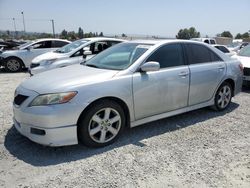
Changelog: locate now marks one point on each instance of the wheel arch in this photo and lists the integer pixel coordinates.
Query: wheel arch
(9, 57)
(115, 99)
(232, 83)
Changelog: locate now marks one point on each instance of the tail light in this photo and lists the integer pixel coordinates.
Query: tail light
(241, 67)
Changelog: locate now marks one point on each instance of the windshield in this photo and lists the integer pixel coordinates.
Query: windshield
(69, 47)
(245, 51)
(119, 57)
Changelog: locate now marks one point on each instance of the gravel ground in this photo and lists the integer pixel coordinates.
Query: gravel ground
(202, 148)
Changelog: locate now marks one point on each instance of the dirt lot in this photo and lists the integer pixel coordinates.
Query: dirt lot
(202, 148)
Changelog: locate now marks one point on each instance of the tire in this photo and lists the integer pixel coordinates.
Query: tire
(102, 124)
(13, 64)
(223, 97)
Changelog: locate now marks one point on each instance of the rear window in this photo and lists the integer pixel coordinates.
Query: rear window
(58, 44)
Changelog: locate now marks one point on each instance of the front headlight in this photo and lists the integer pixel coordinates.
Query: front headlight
(54, 98)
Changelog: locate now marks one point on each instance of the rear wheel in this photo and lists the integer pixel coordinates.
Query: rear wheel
(102, 124)
(13, 64)
(223, 97)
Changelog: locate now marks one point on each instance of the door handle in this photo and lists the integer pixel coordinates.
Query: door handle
(183, 74)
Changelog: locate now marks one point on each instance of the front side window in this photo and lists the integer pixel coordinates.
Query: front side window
(200, 54)
(212, 42)
(119, 57)
(58, 44)
(170, 55)
(43, 44)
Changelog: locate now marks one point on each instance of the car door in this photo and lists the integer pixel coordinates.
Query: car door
(164, 90)
(37, 49)
(206, 72)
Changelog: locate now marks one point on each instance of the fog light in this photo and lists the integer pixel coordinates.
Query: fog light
(37, 131)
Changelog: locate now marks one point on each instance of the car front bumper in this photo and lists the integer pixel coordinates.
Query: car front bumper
(53, 125)
(59, 136)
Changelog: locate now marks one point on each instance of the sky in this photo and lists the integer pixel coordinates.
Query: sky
(142, 17)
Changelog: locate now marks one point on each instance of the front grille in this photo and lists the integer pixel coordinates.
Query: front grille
(19, 99)
(33, 65)
(246, 71)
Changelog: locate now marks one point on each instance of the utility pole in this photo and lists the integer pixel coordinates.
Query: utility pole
(23, 22)
(14, 26)
(53, 27)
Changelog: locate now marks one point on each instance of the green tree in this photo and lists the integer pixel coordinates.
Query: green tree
(64, 34)
(72, 35)
(188, 33)
(226, 34)
(101, 34)
(80, 33)
(245, 35)
(124, 35)
(238, 36)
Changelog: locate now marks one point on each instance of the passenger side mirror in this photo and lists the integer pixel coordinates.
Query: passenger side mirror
(150, 66)
(85, 53)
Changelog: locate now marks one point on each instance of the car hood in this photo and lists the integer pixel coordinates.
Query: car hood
(66, 78)
(244, 60)
(48, 56)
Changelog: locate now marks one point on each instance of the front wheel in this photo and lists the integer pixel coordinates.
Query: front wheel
(223, 97)
(13, 64)
(102, 124)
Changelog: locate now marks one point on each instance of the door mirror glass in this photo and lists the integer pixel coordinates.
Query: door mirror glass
(88, 52)
(150, 66)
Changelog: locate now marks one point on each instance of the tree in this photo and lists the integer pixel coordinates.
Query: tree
(64, 34)
(226, 34)
(245, 35)
(238, 36)
(72, 35)
(124, 35)
(101, 34)
(80, 33)
(188, 33)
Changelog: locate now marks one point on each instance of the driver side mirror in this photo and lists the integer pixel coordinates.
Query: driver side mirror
(29, 48)
(150, 66)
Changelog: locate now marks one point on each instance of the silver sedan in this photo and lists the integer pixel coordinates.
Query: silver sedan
(125, 86)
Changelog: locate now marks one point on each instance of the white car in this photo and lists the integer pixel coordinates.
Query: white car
(15, 60)
(74, 53)
(244, 57)
(205, 40)
(224, 49)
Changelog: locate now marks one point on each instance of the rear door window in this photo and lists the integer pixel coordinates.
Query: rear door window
(200, 54)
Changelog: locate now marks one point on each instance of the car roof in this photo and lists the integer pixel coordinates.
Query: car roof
(102, 38)
(45, 39)
(165, 41)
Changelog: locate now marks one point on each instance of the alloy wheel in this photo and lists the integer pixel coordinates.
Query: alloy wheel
(224, 96)
(13, 65)
(104, 125)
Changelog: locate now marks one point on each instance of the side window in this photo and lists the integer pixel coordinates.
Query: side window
(212, 42)
(222, 48)
(168, 56)
(78, 53)
(200, 54)
(58, 44)
(40, 45)
(206, 41)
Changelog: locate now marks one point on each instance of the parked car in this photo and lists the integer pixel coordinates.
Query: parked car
(236, 47)
(15, 60)
(9, 44)
(244, 57)
(224, 49)
(73, 53)
(205, 40)
(129, 84)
